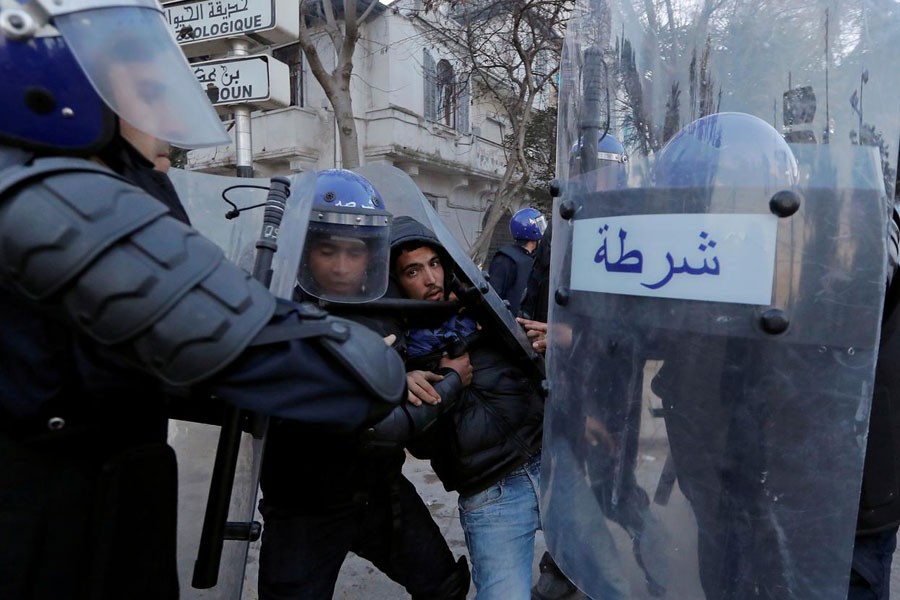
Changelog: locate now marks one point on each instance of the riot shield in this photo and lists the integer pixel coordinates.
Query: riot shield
(229, 211)
(715, 311)
(404, 198)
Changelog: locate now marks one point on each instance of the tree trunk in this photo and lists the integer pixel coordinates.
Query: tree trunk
(346, 124)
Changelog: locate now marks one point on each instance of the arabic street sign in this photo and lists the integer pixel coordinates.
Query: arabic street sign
(259, 80)
(202, 27)
(713, 257)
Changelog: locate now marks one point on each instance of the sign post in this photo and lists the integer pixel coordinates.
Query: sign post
(243, 140)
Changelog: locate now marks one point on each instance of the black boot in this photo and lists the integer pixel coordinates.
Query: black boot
(454, 587)
(552, 584)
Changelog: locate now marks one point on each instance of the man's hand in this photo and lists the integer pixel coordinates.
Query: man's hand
(461, 365)
(419, 387)
(536, 332)
(596, 434)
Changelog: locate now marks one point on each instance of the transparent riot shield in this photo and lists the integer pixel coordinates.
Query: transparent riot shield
(716, 297)
(406, 199)
(230, 211)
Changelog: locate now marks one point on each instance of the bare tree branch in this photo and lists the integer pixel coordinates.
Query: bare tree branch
(343, 35)
(511, 48)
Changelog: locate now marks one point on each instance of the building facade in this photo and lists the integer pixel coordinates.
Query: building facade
(413, 111)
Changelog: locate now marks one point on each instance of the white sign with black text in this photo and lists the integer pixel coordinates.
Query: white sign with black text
(258, 80)
(203, 27)
(714, 257)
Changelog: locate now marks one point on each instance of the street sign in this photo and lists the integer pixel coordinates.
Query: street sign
(203, 27)
(258, 80)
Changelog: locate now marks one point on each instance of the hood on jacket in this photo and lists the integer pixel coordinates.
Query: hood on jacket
(406, 230)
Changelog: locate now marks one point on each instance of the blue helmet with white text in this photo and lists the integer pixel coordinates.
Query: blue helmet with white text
(69, 68)
(347, 246)
(527, 224)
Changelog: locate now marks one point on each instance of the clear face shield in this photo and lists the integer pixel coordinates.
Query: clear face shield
(139, 71)
(346, 257)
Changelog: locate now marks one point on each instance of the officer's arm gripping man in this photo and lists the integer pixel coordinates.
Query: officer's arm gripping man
(102, 254)
(407, 421)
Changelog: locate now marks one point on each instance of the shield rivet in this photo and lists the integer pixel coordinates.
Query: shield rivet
(56, 423)
(556, 188)
(774, 321)
(567, 209)
(784, 203)
(562, 296)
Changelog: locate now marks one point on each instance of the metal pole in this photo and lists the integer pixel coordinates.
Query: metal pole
(243, 140)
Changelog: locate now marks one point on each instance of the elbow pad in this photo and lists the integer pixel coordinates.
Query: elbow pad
(361, 352)
(80, 240)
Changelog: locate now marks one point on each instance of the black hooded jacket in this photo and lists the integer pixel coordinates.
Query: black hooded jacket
(496, 424)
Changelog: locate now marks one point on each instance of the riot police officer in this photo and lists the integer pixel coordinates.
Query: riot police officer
(746, 266)
(512, 263)
(718, 459)
(323, 494)
(104, 298)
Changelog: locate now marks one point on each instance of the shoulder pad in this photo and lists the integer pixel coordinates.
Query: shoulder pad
(78, 238)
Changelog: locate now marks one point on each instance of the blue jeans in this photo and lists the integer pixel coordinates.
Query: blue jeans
(870, 577)
(499, 524)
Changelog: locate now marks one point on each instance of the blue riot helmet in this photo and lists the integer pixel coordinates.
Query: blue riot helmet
(611, 168)
(610, 149)
(69, 67)
(347, 249)
(727, 150)
(527, 224)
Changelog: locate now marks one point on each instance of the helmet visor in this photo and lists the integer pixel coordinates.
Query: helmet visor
(346, 263)
(136, 67)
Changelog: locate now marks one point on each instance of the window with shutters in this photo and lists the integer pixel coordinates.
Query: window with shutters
(447, 96)
(430, 76)
(462, 106)
(446, 108)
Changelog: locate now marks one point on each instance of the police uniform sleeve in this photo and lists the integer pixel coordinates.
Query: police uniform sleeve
(502, 274)
(105, 256)
(407, 421)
